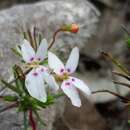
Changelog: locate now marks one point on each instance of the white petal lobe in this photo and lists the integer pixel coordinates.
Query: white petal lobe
(27, 51)
(72, 93)
(55, 63)
(50, 80)
(35, 85)
(81, 86)
(42, 50)
(73, 60)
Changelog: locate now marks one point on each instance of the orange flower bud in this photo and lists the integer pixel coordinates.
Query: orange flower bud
(71, 28)
(74, 28)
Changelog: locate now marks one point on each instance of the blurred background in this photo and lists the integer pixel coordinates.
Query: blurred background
(100, 24)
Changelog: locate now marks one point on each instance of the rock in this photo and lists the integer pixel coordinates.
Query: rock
(9, 3)
(108, 3)
(48, 16)
(96, 70)
(37, 14)
(84, 118)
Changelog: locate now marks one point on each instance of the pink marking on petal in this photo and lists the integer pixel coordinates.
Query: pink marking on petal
(39, 59)
(35, 74)
(42, 69)
(32, 58)
(67, 83)
(73, 79)
(68, 70)
(62, 70)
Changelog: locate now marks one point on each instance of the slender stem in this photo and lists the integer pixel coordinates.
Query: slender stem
(122, 75)
(9, 107)
(121, 83)
(125, 29)
(25, 121)
(31, 39)
(39, 118)
(54, 38)
(125, 100)
(116, 62)
(34, 36)
(32, 121)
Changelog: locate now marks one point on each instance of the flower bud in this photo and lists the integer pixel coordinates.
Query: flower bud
(71, 28)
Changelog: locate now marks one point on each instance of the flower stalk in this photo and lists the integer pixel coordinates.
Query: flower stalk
(123, 99)
(73, 28)
(114, 61)
(32, 120)
(25, 120)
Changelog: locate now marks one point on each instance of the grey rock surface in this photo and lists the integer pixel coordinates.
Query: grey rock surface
(48, 16)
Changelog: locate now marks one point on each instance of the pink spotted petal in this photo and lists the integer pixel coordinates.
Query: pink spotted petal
(71, 92)
(42, 50)
(80, 85)
(35, 85)
(55, 63)
(27, 51)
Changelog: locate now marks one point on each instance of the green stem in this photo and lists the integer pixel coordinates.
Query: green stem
(116, 62)
(25, 121)
(39, 118)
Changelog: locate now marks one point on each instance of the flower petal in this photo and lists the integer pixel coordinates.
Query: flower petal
(55, 63)
(42, 50)
(27, 51)
(35, 85)
(73, 60)
(81, 85)
(71, 92)
(50, 80)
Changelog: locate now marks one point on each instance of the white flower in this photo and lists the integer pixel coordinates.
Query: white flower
(34, 81)
(69, 84)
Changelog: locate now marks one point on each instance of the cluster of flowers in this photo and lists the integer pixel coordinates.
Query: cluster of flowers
(55, 73)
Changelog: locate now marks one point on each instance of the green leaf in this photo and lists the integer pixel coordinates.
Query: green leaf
(39, 118)
(10, 98)
(116, 62)
(16, 52)
(50, 100)
(58, 95)
(128, 42)
(44, 62)
(39, 38)
(8, 85)
(25, 120)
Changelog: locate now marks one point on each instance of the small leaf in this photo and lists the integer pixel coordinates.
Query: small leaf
(128, 42)
(58, 95)
(39, 118)
(44, 62)
(115, 62)
(16, 52)
(10, 98)
(8, 85)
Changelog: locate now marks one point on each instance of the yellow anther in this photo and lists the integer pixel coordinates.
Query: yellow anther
(34, 64)
(65, 76)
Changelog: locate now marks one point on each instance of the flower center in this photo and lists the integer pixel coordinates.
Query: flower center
(62, 77)
(33, 64)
